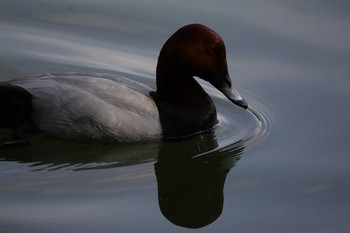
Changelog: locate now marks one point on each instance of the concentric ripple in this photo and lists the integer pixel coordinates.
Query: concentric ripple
(237, 128)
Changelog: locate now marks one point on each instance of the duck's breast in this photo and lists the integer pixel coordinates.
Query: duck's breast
(97, 106)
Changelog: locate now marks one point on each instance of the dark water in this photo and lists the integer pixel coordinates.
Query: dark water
(287, 172)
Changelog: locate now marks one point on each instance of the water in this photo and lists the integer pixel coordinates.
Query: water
(287, 172)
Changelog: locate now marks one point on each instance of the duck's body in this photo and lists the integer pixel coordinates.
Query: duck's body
(108, 107)
(96, 106)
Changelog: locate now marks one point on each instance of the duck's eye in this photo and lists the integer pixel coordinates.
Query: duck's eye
(212, 49)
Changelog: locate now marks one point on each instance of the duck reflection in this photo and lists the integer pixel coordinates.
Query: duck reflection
(190, 189)
(190, 173)
(51, 154)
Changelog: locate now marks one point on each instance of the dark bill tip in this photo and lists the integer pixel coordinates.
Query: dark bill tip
(223, 84)
(242, 103)
(233, 96)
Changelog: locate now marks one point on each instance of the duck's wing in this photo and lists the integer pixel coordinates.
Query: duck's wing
(77, 105)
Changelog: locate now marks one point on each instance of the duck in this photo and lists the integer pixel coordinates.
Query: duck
(114, 108)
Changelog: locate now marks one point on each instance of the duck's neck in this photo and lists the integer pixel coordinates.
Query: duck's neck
(176, 85)
(184, 107)
(181, 90)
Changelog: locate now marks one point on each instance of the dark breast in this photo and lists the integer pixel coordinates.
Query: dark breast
(15, 108)
(181, 121)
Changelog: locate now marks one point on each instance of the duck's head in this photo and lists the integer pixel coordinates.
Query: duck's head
(196, 50)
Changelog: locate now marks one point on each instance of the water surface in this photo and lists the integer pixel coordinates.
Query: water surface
(286, 172)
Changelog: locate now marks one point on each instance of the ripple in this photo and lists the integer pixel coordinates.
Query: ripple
(250, 127)
(237, 128)
(260, 134)
(263, 112)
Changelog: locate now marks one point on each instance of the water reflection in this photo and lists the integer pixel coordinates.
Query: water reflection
(190, 173)
(190, 187)
(51, 154)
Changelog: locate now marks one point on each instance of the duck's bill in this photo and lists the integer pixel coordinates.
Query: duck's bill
(234, 96)
(223, 84)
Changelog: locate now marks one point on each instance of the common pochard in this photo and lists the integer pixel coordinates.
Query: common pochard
(110, 107)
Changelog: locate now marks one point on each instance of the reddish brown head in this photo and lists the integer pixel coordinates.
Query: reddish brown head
(195, 50)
